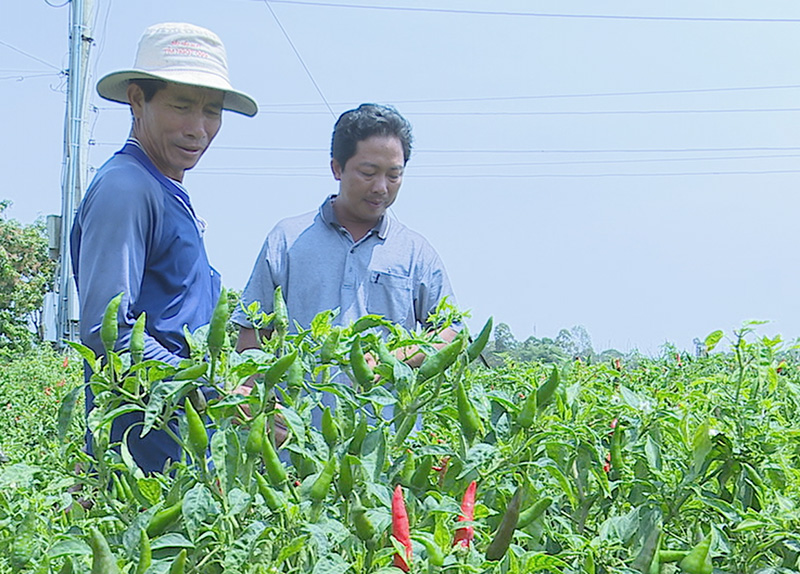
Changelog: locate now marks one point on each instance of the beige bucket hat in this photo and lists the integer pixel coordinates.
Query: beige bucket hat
(181, 53)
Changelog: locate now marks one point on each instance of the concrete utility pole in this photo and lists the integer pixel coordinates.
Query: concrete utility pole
(75, 173)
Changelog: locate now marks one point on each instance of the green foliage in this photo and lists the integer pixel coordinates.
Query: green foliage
(627, 464)
(26, 273)
(34, 388)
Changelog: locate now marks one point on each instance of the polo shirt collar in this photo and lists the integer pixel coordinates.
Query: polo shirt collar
(329, 217)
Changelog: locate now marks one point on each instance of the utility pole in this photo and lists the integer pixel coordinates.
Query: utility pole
(75, 173)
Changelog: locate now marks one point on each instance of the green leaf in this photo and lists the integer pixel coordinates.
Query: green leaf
(66, 410)
(331, 564)
(150, 488)
(538, 562)
(226, 454)
(242, 548)
(70, 546)
(198, 506)
(712, 340)
(160, 392)
(295, 546)
(171, 540)
(701, 446)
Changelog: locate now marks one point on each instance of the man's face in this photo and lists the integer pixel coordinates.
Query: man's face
(369, 181)
(177, 125)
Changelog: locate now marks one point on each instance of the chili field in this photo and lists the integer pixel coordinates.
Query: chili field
(640, 464)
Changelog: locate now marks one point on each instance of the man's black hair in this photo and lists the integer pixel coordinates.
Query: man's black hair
(149, 86)
(364, 122)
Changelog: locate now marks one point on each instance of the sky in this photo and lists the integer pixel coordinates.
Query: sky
(630, 167)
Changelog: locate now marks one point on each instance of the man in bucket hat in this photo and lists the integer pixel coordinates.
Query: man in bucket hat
(136, 231)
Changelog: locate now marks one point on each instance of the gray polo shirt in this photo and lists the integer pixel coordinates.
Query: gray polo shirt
(392, 271)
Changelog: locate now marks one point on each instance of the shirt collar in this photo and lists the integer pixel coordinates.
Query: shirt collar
(329, 217)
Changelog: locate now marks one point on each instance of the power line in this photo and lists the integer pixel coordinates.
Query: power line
(523, 176)
(31, 56)
(541, 14)
(418, 166)
(299, 57)
(512, 151)
(21, 77)
(568, 96)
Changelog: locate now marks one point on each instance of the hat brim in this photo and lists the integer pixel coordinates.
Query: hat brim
(114, 87)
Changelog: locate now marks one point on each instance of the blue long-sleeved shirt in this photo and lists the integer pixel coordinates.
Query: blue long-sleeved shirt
(135, 232)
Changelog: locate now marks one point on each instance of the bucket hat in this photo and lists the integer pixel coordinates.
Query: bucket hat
(181, 53)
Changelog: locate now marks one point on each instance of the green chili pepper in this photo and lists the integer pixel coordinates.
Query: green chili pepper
(527, 412)
(255, 438)
(330, 430)
(178, 565)
(505, 532)
(322, 484)
(271, 497)
(384, 354)
(191, 373)
(145, 553)
(365, 530)
(358, 436)
(467, 415)
(698, 560)
(406, 425)
(281, 318)
(407, 470)
(345, 479)
(544, 394)
(137, 339)
(361, 370)
(435, 553)
(665, 556)
(216, 329)
(475, 348)
(276, 370)
(109, 328)
(327, 352)
(198, 436)
(294, 377)
(443, 359)
(162, 519)
(24, 544)
(275, 470)
(534, 511)
(617, 463)
(103, 561)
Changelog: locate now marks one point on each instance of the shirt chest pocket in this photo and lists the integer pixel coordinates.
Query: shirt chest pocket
(391, 296)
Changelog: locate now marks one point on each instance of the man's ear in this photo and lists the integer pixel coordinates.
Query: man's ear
(336, 169)
(135, 98)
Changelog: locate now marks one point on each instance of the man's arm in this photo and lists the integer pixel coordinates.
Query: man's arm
(109, 247)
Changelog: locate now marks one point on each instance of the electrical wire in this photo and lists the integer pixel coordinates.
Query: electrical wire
(299, 57)
(31, 56)
(541, 14)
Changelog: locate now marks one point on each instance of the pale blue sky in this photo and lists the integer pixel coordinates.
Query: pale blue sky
(653, 200)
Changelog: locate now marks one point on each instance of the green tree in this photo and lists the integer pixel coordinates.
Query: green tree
(26, 273)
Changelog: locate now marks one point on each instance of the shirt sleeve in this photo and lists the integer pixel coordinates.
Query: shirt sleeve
(117, 222)
(432, 287)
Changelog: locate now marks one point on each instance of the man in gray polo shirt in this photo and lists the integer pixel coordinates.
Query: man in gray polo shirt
(350, 255)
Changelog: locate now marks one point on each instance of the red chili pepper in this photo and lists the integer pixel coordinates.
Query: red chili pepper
(466, 534)
(400, 529)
